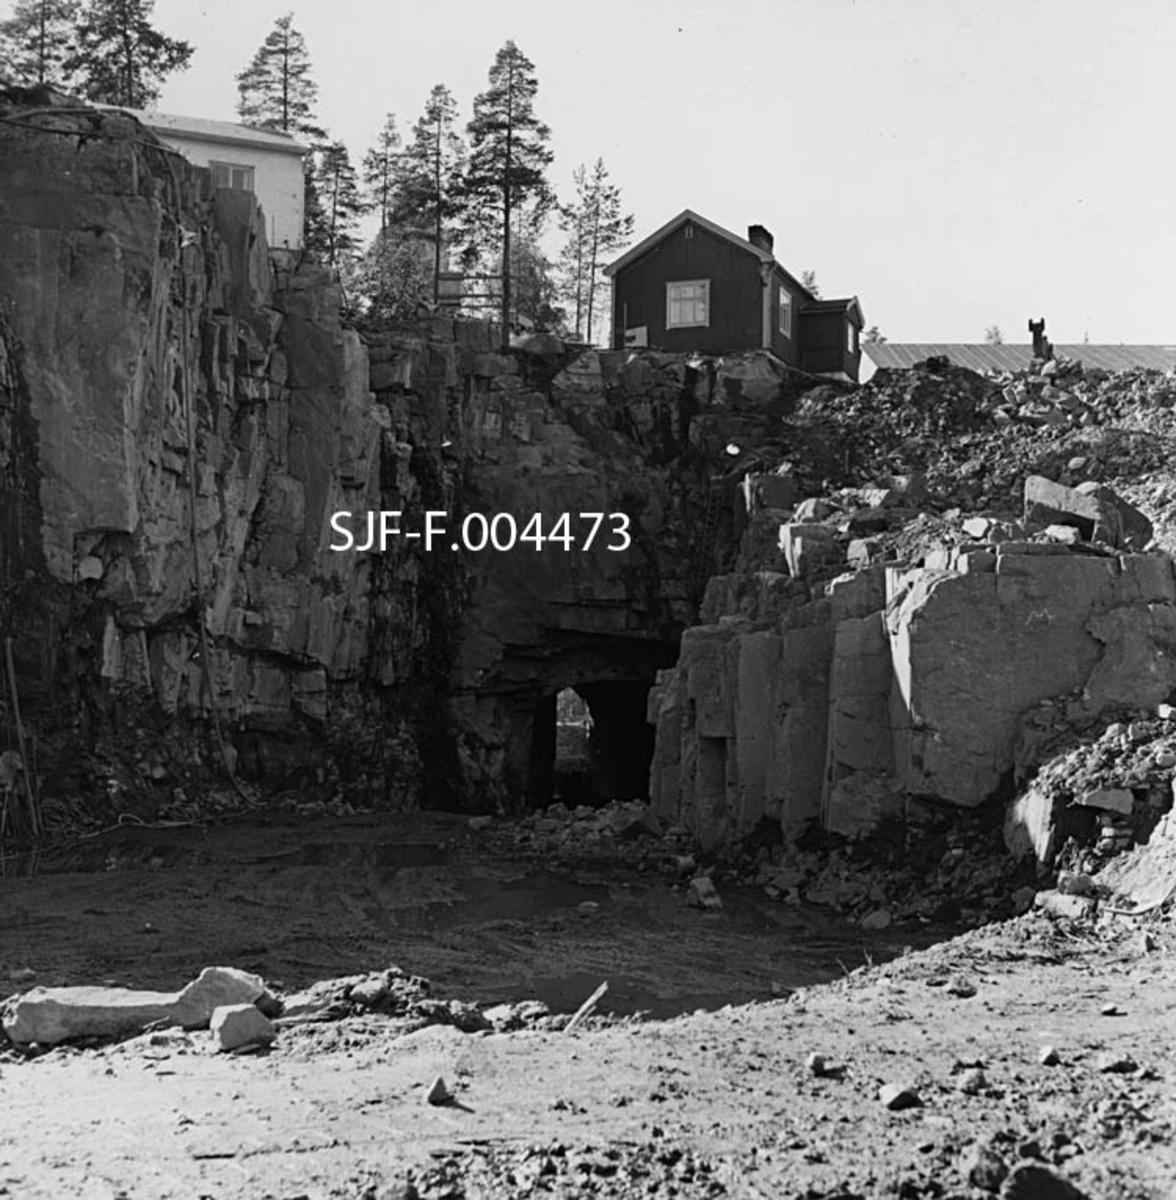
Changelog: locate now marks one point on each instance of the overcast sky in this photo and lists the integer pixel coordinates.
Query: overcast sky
(953, 164)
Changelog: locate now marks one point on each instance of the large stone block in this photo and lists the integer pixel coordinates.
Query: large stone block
(1094, 509)
(52, 1015)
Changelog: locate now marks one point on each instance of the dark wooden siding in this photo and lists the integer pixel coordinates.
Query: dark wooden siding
(736, 294)
(826, 347)
(786, 348)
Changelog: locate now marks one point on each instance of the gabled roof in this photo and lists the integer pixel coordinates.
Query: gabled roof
(985, 357)
(227, 132)
(686, 215)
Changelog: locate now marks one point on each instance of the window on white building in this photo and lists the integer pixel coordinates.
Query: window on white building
(687, 303)
(785, 311)
(237, 176)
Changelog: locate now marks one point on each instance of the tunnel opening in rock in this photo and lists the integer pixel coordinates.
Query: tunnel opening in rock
(593, 743)
(572, 778)
(577, 731)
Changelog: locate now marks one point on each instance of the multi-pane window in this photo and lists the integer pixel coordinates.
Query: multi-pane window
(785, 311)
(238, 176)
(687, 303)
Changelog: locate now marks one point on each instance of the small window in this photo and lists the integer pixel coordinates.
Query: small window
(687, 303)
(851, 338)
(238, 176)
(785, 311)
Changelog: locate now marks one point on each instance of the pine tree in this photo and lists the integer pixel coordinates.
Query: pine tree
(874, 336)
(993, 336)
(120, 57)
(507, 161)
(608, 229)
(573, 220)
(430, 179)
(596, 227)
(276, 89)
(382, 170)
(39, 38)
(337, 191)
(808, 280)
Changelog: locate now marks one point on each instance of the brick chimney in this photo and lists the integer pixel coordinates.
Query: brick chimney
(758, 236)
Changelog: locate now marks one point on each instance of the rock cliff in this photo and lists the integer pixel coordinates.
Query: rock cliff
(183, 415)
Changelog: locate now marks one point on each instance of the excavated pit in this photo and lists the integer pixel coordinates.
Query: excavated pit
(481, 916)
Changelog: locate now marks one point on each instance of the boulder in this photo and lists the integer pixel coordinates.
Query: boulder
(1095, 510)
(235, 1026)
(52, 1015)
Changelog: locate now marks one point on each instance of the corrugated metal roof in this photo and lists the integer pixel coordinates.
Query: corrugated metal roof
(983, 357)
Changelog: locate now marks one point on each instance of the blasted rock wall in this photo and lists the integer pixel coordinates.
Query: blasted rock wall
(180, 417)
(179, 423)
(899, 683)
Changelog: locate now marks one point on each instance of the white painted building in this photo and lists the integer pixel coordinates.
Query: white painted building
(262, 161)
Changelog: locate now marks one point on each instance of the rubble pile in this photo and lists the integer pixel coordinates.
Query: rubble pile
(947, 558)
(1095, 792)
(975, 438)
(894, 424)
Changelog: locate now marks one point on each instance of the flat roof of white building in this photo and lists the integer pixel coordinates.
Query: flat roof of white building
(229, 132)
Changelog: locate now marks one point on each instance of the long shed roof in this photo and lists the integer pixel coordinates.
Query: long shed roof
(1009, 357)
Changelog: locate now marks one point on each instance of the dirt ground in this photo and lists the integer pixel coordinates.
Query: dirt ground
(712, 1095)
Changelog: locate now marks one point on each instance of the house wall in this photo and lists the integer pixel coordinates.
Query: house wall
(277, 180)
(825, 347)
(786, 348)
(736, 294)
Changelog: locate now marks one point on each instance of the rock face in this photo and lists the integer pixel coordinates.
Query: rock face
(900, 683)
(182, 417)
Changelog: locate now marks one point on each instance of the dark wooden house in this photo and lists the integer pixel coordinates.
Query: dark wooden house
(695, 286)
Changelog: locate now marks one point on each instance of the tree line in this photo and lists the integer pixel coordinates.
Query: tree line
(474, 198)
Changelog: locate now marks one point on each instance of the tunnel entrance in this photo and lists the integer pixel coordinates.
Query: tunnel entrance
(592, 744)
(572, 715)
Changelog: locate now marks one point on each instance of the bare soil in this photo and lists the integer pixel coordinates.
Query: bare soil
(716, 1098)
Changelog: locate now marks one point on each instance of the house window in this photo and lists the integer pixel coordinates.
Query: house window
(238, 176)
(687, 303)
(851, 339)
(785, 312)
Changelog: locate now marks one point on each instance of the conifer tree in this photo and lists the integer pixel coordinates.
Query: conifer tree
(430, 177)
(39, 38)
(508, 158)
(341, 204)
(573, 220)
(382, 170)
(596, 228)
(119, 56)
(276, 88)
(276, 91)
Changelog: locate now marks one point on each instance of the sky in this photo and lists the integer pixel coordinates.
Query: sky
(955, 165)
